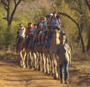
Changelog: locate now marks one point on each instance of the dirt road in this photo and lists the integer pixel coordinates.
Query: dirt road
(12, 75)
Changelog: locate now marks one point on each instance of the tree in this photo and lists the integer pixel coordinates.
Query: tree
(7, 7)
(88, 3)
(88, 43)
(77, 6)
(10, 7)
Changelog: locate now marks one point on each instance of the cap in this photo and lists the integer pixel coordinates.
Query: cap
(20, 24)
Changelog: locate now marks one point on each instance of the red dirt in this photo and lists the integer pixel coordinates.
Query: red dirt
(12, 75)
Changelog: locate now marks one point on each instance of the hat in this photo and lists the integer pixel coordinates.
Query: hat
(20, 24)
(51, 14)
(29, 23)
(48, 16)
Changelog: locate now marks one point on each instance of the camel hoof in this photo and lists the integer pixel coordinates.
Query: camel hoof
(54, 76)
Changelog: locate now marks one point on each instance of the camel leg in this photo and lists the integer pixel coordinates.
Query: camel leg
(51, 65)
(55, 69)
(48, 65)
(28, 60)
(24, 64)
(21, 60)
(44, 62)
(31, 60)
(56, 74)
(41, 61)
(38, 61)
(23, 57)
(35, 58)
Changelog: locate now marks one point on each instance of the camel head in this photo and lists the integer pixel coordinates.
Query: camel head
(56, 36)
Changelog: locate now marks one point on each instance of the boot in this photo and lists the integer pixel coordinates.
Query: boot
(66, 81)
(62, 81)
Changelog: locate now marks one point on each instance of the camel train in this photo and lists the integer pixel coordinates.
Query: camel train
(41, 57)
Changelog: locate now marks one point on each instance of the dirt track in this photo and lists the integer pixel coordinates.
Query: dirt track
(12, 75)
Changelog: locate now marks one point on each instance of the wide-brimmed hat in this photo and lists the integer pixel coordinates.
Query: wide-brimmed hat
(51, 14)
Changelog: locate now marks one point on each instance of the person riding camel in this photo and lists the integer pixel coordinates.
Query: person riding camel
(40, 31)
(45, 29)
(20, 34)
(21, 31)
(30, 34)
(50, 30)
(55, 21)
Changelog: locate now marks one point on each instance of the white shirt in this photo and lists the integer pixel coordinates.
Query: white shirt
(22, 31)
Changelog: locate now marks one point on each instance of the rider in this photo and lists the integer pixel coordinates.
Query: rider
(40, 30)
(30, 34)
(20, 34)
(55, 21)
(21, 31)
(49, 31)
(45, 28)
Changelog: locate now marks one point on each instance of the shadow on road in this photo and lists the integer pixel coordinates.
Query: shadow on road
(10, 58)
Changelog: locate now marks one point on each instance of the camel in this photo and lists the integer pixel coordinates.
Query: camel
(45, 60)
(21, 50)
(45, 55)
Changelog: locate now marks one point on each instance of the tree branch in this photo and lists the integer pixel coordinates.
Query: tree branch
(18, 2)
(13, 12)
(14, 2)
(4, 3)
(69, 18)
(88, 4)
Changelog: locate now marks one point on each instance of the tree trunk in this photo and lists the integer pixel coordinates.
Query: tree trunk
(88, 43)
(88, 4)
(81, 38)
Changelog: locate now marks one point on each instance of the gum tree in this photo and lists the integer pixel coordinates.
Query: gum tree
(10, 6)
(79, 7)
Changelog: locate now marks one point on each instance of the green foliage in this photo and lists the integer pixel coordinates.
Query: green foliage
(32, 10)
(78, 10)
(8, 38)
